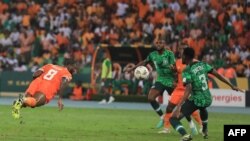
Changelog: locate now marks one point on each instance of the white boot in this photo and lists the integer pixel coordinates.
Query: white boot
(103, 101)
(164, 131)
(111, 99)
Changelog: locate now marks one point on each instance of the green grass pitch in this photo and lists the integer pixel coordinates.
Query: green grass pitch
(80, 124)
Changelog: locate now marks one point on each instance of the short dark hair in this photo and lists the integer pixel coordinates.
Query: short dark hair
(189, 52)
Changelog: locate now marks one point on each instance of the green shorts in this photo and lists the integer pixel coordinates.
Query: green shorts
(160, 87)
(189, 107)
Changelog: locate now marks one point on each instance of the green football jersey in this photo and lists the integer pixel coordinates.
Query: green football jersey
(106, 65)
(197, 75)
(162, 64)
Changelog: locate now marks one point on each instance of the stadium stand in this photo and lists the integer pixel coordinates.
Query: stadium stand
(35, 32)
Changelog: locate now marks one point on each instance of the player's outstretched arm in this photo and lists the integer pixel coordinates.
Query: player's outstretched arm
(223, 79)
(142, 63)
(64, 84)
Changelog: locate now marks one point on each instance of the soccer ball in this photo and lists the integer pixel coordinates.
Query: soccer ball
(141, 72)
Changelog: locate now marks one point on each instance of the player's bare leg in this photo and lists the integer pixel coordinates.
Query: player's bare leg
(37, 100)
(153, 93)
(167, 116)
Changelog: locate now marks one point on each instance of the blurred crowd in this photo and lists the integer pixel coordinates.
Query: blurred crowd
(36, 32)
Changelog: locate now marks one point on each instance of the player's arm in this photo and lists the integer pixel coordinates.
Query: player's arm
(63, 85)
(41, 70)
(223, 79)
(37, 73)
(172, 61)
(174, 69)
(142, 63)
(129, 65)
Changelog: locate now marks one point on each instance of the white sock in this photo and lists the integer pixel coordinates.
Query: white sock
(191, 124)
(162, 117)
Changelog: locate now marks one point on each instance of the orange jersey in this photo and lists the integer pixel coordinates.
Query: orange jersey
(178, 92)
(180, 67)
(49, 81)
(53, 74)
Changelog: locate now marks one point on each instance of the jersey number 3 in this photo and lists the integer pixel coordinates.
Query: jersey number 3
(50, 74)
(203, 81)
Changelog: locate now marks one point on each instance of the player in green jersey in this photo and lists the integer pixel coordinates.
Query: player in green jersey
(163, 61)
(106, 76)
(197, 94)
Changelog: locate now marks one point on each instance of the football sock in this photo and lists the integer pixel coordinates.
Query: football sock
(191, 124)
(204, 126)
(204, 118)
(196, 116)
(177, 126)
(30, 101)
(156, 107)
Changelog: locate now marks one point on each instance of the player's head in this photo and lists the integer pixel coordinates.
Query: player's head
(188, 55)
(159, 43)
(70, 65)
